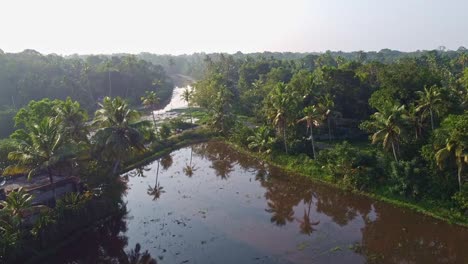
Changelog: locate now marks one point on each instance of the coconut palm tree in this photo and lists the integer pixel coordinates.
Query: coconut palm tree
(314, 116)
(388, 129)
(280, 101)
(429, 102)
(42, 149)
(15, 202)
(186, 96)
(457, 151)
(150, 100)
(72, 119)
(326, 102)
(118, 133)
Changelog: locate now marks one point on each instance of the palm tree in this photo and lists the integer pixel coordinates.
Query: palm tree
(280, 100)
(314, 116)
(462, 60)
(42, 149)
(150, 100)
(109, 68)
(72, 119)
(414, 119)
(186, 96)
(117, 134)
(457, 151)
(430, 102)
(326, 102)
(388, 129)
(16, 202)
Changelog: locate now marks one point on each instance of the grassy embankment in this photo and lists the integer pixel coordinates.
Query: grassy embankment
(307, 167)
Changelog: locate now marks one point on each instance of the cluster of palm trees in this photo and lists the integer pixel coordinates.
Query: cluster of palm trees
(281, 111)
(65, 138)
(390, 128)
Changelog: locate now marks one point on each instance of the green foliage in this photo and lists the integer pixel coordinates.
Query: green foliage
(43, 148)
(165, 131)
(408, 178)
(29, 75)
(351, 166)
(240, 134)
(118, 133)
(6, 146)
(179, 124)
(71, 202)
(461, 198)
(262, 140)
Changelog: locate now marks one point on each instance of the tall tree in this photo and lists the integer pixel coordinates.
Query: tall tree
(187, 96)
(313, 117)
(118, 133)
(429, 102)
(456, 130)
(150, 101)
(387, 129)
(42, 149)
(279, 103)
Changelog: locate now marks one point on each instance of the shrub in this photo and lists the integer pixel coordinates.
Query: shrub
(407, 177)
(240, 134)
(353, 167)
(164, 131)
(461, 198)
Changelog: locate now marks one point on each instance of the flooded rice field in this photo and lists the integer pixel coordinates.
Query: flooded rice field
(210, 204)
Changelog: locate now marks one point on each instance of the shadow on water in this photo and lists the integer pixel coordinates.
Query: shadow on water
(235, 209)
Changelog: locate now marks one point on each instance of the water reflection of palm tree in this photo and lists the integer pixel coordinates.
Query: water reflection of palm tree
(306, 225)
(280, 213)
(222, 168)
(139, 172)
(137, 257)
(166, 161)
(189, 169)
(157, 190)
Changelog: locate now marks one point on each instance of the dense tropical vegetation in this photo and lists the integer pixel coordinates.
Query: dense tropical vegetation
(387, 123)
(411, 108)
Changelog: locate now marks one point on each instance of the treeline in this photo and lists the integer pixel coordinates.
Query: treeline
(195, 65)
(29, 75)
(413, 110)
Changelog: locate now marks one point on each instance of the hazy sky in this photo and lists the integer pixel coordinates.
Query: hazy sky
(187, 26)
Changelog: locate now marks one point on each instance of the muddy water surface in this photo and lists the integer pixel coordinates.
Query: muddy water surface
(214, 205)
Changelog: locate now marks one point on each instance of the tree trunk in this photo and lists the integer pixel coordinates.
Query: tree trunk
(154, 118)
(51, 179)
(284, 138)
(191, 117)
(116, 166)
(394, 152)
(329, 129)
(110, 84)
(312, 140)
(459, 173)
(432, 119)
(157, 175)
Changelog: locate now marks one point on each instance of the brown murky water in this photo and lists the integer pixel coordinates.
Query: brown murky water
(214, 205)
